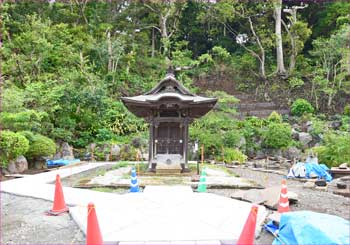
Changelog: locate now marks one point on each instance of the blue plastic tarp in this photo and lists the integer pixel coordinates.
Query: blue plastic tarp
(60, 162)
(307, 170)
(306, 227)
(320, 170)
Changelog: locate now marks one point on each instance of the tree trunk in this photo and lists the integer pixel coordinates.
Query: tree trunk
(293, 55)
(279, 46)
(153, 42)
(262, 65)
(164, 33)
(110, 52)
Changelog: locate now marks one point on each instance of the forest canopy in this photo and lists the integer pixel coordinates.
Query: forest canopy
(65, 64)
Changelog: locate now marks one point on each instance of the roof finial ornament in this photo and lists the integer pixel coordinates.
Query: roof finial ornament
(170, 71)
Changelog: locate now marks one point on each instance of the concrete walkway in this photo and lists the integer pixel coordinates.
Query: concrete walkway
(161, 214)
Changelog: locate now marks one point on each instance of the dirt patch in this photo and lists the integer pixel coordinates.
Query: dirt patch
(23, 221)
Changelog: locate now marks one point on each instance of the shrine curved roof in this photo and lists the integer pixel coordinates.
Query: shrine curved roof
(169, 90)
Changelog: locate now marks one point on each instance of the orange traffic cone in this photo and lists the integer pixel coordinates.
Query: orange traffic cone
(59, 205)
(283, 204)
(248, 233)
(93, 233)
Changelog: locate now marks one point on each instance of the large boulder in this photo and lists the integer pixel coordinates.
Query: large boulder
(64, 151)
(18, 166)
(21, 164)
(295, 134)
(67, 151)
(292, 153)
(304, 138)
(335, 125)
(115, 150)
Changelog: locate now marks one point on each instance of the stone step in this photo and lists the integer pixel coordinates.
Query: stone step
(261, 113)
(258, 105)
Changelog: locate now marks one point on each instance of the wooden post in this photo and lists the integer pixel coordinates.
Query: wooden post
(137, 162)
(222, 154)
(202, 154)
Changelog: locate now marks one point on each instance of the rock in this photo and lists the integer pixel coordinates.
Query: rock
(241, 142)
(316, 139)
(292, 153)
(115, 150)
(40, 164)
(304, 138)
(296, 127)
(11, 167)
(260, 154)
(67, 151)
(268, 197)
(21, 164)
(308, 126)
(309, 184)
(320, 183)
(17, 166)
(295, 134)
(335, 125)
(343, 166)
(345, 193)
(341, 185)
(321, 188)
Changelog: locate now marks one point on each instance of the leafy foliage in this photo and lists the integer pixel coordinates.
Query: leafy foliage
(336, 149)
(40, 146)
(231, 155)
(301, 106)
(278, 135)
(12, 145)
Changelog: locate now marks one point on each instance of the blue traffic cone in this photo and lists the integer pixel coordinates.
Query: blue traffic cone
(134, 185)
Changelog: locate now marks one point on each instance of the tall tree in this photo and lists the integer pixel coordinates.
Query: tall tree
(298, 33)
(279, 45)
(168, 13)
(331, 75)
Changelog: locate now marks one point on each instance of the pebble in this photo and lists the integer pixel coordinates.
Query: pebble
(309, 184)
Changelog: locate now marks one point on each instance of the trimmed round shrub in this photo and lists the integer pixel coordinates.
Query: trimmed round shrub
(12, 145)
(231, 155)
(278, 135)
(41, 146)
(275, 117)
(301, 106)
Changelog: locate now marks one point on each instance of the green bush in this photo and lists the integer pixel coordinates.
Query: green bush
(301, 106)
(336, 149)
(127, 153)
(275, 117)
(40, 146)
(12, 145)
(231, 155)
(277, 135)
(232, 138)
(347, 110)
(252, 129)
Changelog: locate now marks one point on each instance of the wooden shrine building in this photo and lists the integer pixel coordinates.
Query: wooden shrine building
(169, 108)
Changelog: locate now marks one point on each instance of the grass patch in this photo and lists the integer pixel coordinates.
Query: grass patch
(193, 168)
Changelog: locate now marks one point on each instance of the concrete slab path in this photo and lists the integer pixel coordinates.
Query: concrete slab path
(161, 214)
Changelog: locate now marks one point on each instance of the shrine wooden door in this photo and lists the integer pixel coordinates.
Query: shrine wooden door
(169, 138)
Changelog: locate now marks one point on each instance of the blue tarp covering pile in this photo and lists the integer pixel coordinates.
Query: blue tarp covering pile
(308, 170)
(60, 162)
(306, 227)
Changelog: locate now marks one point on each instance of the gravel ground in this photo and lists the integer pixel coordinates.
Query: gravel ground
(23, 221)
(309, 199)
